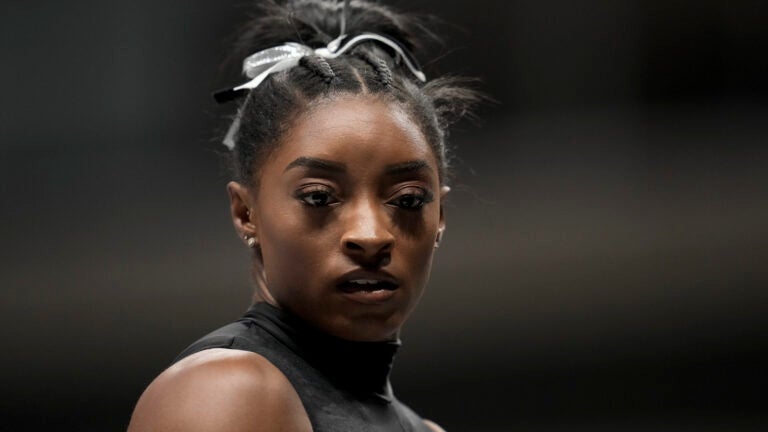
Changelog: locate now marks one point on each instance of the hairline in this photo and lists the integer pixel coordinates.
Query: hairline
(305, 113)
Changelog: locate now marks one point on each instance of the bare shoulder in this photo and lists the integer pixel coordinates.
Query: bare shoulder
(433, 426)
(220, 390)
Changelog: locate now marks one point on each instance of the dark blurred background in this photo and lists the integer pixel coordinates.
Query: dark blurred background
(605, 262)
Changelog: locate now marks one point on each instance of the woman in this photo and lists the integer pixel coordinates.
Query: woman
(339, 162)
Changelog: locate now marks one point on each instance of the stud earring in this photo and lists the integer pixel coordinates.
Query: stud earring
(438, 239)
(250, 240)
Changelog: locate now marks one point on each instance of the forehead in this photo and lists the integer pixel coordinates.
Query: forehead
(357, 130)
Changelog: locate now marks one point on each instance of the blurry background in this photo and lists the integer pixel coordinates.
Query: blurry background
(605, 261)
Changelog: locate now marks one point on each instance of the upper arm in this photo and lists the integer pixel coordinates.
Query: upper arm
(220, 390)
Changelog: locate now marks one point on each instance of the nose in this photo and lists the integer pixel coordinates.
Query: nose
(367, 236)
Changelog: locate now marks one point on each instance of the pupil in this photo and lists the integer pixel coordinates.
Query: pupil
(318, 198)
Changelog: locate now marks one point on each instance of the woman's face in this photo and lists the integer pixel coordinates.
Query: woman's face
(347, 214)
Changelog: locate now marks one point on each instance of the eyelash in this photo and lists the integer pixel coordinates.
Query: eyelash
(421, 196)
(310, 195)
(305, 194)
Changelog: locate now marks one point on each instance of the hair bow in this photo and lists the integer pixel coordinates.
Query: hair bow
(260, 65)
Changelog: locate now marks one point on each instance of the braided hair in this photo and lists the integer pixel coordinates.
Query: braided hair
(268, 111)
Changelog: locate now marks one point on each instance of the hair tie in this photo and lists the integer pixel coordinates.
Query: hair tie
(260, 65)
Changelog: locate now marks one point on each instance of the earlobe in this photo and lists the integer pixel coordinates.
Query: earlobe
(242, 213)
(441, 227)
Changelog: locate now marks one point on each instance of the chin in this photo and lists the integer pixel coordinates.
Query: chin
(369, 328)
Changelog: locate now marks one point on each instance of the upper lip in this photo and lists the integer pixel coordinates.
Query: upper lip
(379, 275)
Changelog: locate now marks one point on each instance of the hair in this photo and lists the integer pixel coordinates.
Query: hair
(269, 110)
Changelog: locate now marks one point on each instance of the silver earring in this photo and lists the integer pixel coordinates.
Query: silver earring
(438, 239)
(250, 241)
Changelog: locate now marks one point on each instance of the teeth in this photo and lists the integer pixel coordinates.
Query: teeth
(364, 281)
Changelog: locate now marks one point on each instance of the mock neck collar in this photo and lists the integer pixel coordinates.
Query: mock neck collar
(361, 368)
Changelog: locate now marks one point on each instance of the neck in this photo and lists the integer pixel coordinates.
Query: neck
(362, 368)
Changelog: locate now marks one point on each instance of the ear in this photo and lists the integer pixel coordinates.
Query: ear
(441, 226)
(242, 209)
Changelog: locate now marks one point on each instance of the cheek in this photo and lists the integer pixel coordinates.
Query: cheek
(419, 249)
(293, 251)
(420, 259)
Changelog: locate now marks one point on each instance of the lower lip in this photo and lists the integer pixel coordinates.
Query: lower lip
(370, 297)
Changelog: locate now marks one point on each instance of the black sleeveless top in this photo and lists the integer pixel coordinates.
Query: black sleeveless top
(343, 385)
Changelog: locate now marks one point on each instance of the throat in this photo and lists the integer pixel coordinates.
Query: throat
(361, 368)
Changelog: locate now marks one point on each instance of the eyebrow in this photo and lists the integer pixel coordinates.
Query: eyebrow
(316, 163)
(336, 167)
(406, 167)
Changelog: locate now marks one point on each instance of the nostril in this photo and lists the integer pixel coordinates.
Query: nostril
(353, 246)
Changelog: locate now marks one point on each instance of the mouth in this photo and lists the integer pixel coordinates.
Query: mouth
(368, 287)
(353, 285)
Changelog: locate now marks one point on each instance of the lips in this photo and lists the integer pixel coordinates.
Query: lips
(365, 280)
(367, 285)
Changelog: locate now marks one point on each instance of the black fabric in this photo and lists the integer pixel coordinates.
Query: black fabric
(343, 385)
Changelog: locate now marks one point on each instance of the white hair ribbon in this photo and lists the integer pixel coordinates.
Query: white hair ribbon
(260, 65)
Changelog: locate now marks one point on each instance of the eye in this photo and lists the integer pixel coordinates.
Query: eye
(316, 196)
(411, 198)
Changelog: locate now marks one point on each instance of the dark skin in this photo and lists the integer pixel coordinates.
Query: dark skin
(350, 198)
